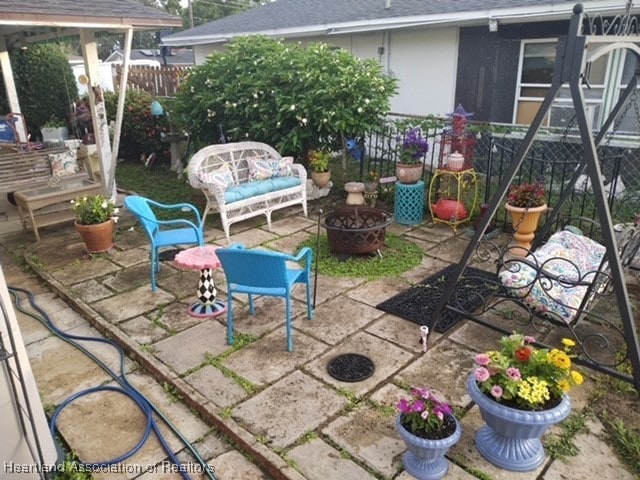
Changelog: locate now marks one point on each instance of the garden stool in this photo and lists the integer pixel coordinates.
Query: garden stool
(355, 193)
(409, 203)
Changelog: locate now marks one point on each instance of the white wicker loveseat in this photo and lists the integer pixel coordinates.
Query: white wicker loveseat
(246, 179)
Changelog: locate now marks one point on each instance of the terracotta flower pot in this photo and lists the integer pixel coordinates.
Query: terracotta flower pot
(409, 173)
(525, 222)
(97, 238)
(320, 179)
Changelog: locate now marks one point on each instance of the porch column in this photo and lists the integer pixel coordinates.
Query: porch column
(98, 110)
(10, 87)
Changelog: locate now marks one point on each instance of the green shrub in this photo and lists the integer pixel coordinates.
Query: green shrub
(292, 97)
(44, 82)
(141, 131)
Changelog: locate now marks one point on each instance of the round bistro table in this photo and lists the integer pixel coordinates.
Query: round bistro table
(204, 259)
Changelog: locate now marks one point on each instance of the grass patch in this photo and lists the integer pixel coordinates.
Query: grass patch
(626, 443)
(398, 256)
(563, 445)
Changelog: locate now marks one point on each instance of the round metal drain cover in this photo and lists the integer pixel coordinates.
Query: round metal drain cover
(351, 367)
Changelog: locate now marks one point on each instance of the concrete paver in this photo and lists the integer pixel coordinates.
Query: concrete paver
(319, 461)
(285, 411)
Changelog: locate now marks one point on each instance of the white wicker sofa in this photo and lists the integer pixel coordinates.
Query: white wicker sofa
(245, 179)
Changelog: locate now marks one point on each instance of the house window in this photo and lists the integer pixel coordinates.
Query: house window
(607, 76)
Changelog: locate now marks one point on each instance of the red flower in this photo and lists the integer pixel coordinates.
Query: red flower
(523, 354)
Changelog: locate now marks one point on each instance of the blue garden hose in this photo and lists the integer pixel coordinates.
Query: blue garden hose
(143, 403)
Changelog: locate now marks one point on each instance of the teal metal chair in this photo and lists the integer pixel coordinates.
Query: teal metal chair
(165, 233)
(262, 272)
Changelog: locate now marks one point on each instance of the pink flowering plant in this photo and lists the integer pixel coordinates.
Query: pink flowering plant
(525, 377)
(526, 195)
(425, 415)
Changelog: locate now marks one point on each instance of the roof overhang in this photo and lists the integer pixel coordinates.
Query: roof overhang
(542, 13)
(33, 27)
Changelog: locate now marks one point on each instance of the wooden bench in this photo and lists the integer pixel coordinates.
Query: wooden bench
(41, 198)
(20, 170)
(236, 180)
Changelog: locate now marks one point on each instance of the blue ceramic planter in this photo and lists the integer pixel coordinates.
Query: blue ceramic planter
(511, 437)
(424, 458)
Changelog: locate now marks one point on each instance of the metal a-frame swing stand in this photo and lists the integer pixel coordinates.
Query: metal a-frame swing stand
(571, 63)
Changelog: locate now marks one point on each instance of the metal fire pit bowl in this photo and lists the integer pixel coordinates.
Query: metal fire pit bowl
(356, 229)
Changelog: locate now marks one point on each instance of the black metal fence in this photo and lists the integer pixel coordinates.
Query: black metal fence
(554, 155)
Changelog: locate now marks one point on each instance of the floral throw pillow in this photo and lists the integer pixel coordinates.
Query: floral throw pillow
(64, 163)
(222, 177)
(262, 169)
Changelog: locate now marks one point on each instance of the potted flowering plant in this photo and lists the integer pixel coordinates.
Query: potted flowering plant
(319, 165)
(526, 195)
(413, 148)
(526, 204)
(428, 428)
(521, 391)
(95, 216)
(371, 181)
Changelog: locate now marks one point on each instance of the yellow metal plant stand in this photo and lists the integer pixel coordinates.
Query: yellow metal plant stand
(458, 185)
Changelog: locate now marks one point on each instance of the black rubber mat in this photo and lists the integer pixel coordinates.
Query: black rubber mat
(418, 303)
(351, 367)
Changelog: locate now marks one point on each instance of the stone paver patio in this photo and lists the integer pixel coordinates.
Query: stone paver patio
(257, 411)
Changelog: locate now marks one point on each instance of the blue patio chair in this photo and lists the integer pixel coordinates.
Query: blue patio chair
(261, 272)
(165, 233)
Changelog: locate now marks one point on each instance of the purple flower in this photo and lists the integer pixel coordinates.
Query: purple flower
(496, 391)
(482, 374)
(514, 373)
(529, 339)
(404, 406)
(418, 406)
(483, 359)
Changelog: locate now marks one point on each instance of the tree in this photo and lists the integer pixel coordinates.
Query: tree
(292, 97)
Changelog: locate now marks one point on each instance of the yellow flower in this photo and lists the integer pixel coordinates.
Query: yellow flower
(560, 359)
(564, 385)
(534, 390)
(568, 343)
(577, 377)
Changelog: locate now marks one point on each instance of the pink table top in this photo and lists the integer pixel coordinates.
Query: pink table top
(198, 258)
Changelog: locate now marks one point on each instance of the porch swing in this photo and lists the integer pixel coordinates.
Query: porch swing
(567, 284)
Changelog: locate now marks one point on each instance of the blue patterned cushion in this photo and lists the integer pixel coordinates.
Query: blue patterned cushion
(223, 177)
(568, 255)
(263, 169)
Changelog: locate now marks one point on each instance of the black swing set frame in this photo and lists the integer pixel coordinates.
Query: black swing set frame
(571, 68)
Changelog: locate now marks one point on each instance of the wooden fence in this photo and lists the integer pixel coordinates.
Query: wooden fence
(162, 81)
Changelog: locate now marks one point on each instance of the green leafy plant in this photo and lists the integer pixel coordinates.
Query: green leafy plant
(141, 131)
(94, 209)
(425, 415)
(526, 195)
(54, 122)
(291, 96)
(526, 377)
(319, 160)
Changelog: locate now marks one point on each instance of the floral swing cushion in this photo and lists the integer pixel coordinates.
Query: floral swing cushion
(570, 257)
